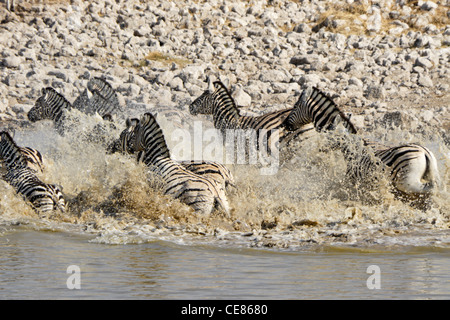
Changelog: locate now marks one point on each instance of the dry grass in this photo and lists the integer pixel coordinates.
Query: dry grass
(166, 59)
(347, 16)
(351, 18)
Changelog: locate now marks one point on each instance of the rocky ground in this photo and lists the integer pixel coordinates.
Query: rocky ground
(387, 62)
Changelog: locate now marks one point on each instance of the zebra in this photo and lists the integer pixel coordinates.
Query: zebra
(104, 98)
(217, 100)
(50, 105)
(315, 107)
(216, 171)
(199, 192)
(411, 169)
(54, 106)
(45, 198)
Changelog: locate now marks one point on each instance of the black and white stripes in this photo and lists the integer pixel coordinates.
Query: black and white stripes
(315, 107)
(45, 198)
(410, 168)
(218, 102)
(200, 192)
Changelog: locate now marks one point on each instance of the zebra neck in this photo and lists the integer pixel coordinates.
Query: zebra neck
(225, 113)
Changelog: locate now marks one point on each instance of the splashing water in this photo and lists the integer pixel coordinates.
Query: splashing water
(305, 204)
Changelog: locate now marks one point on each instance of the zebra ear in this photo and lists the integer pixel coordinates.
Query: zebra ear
(306, 94)
(210, 81)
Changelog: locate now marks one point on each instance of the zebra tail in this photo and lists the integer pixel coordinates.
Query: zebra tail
(432, 171)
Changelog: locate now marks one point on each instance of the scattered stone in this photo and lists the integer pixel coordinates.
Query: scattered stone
(12, 62)
(242, 98)
(162, 52)
(424, 80)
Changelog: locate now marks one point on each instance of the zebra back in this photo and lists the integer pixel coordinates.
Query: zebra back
(50, 105)
(33, 158)
(412, 168)
(314, 106)
(44, 197)
(212, 169)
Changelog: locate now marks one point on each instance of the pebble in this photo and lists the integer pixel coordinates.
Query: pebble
(162, 52)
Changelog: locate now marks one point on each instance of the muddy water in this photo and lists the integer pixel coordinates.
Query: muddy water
(300, 233)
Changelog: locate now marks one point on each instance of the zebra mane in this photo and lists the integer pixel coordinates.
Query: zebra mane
(49, 95)
(225, 93)
(312, 98)
(346, 119)
(150, 139)
(227, 104)
(10, 152)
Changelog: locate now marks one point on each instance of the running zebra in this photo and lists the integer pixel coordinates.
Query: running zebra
(411, 169)
(104, 98)
(50, 105)
(33, 158)
(199, 192)
(44, 197)
(315, 107)
(218, 102)
(214, 170)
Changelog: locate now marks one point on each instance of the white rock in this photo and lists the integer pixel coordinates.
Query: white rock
(428, 5)
(242, 98)
(12, 62)
(425, 80)
(374, 21)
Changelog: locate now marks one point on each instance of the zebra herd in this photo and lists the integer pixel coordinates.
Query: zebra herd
(203, 185)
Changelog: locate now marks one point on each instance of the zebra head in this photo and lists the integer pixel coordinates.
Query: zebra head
(125, 142)
(149, 138)
(203, 104)
(49, 105)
